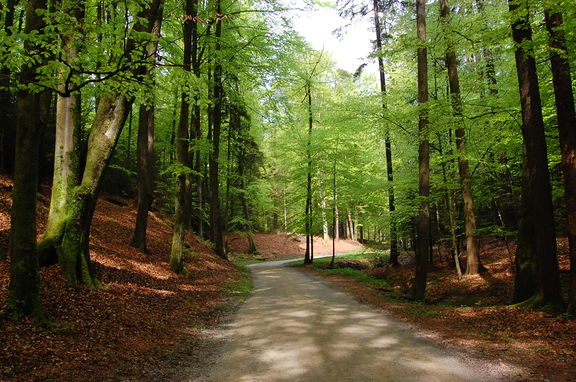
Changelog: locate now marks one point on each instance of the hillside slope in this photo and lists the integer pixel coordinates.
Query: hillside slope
(143, 323)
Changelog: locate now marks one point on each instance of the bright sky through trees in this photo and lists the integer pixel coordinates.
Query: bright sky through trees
(318, 26)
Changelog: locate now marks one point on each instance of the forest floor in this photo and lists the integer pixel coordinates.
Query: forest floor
(145, 324)
(473, 315)
(283, 246)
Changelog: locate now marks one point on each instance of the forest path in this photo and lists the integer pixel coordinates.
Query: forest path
(295, 327)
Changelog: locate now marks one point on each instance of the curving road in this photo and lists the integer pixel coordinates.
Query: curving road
(297, 328)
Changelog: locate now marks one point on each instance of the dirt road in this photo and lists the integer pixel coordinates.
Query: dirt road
(297, 328)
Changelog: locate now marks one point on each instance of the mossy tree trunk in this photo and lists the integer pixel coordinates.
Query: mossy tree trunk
(23, 291)
(67, 162)
(73, 251)
(76, 194)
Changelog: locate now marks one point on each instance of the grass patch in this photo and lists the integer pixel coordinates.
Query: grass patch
(243, 263)
(353, 273)
(240, 289)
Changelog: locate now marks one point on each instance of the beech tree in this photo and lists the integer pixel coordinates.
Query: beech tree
(67, 234)
(181, 143)
(145, 147)
(566, 115)
(423, 225)
(23, 292)
(537, 274)
(472, 251)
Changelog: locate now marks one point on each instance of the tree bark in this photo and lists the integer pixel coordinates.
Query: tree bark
(537, 273)
(388, 145)
(472, 249)
(23, 290)
(72, 244)
(308, 213)
(196, 133)
(423, 224)
(451, 208)
(181, 211)
(67, 155)
(145, 143)
(566, 115)
(215, 214)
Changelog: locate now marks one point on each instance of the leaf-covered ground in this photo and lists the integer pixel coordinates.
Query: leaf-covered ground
(144, 325)
(280, 246)
(472, 315)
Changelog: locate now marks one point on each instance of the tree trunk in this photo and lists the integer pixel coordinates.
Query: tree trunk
(564, 97)
(196, 133)
(388, 145)
(537, 273)
(323, 206)
(334, 215)
(215, 215)
(145, 147)
(72, 246)
(308, 213)
(472, 250)
(423, 225)
(451, 208)
(23, 290)
(336, 219)
(181, 211)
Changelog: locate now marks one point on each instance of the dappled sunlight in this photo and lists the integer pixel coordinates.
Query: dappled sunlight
(153, 270)
(141, 290)
(294, 328)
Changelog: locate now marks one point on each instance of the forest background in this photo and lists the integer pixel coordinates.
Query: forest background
(223, 108)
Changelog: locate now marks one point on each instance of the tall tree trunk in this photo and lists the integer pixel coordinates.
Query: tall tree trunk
(490, 69)
(567, 128)
(72, 246)
(334, 214)
(67, 155)
(181, 211)
(196, 133)
(388, 145)
(537, 273)
(336, 219)
(423, 224)
(472, 250)
(323, 206)
(308, 214)
(23, 291)
(450, 206)
(215, 214)
(145, 147)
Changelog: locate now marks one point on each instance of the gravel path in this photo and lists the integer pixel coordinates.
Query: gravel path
(297, 328)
